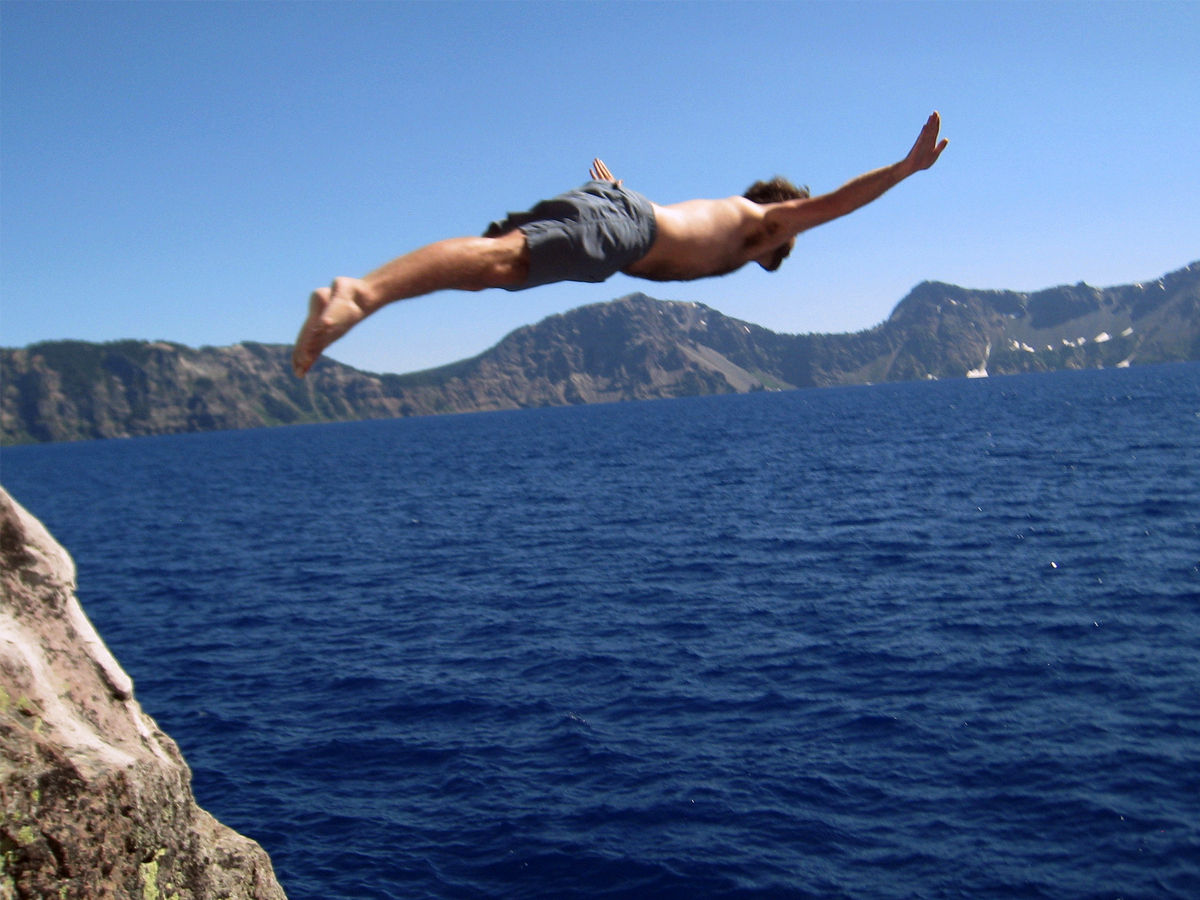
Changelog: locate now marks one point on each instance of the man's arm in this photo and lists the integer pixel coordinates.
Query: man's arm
(795, 216)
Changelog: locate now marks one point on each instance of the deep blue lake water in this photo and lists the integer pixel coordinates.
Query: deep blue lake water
(918, 640)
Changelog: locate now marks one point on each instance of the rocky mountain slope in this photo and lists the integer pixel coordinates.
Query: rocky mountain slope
(628, 349)
(97, 801)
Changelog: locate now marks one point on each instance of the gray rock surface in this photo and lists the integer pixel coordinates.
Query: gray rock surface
(95, 800)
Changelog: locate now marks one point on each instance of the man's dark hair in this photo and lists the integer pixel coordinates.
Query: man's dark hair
(776, 190)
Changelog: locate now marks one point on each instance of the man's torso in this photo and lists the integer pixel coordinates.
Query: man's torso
(702, 238)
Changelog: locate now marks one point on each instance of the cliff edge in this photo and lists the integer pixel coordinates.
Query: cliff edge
(95, 800)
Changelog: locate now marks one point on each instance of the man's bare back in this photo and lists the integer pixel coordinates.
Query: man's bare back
(693, 239)
(703, 238)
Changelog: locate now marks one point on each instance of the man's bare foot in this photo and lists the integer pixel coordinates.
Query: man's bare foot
(332, 311)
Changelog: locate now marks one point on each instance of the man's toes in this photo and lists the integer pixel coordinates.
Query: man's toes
(317, 301)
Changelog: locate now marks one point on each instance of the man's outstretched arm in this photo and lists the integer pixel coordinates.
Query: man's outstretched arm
(795, 216)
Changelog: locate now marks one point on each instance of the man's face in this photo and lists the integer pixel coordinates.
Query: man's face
(775, 258)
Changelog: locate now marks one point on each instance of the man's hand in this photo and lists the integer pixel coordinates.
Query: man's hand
(599, 172)
(928, 148)
(795, 216)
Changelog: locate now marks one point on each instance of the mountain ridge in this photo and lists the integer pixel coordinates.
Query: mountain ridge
(632, 348)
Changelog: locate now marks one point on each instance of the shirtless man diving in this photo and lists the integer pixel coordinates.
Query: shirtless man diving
(598, 230)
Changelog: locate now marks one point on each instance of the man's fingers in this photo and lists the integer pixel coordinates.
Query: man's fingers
(928, 146)
(932, 126)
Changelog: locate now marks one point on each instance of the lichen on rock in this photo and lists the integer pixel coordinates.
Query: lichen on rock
(95, 800)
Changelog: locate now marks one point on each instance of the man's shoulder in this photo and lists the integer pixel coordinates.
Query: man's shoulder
(718, 207)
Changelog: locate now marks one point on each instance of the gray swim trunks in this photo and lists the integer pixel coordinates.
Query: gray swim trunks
(588, 234)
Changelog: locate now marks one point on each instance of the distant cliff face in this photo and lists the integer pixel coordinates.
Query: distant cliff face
(70, 390)
(1003, 332)
(630, 349)
(96, 800)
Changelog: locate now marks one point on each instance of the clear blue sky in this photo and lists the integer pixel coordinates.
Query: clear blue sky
(190, 171)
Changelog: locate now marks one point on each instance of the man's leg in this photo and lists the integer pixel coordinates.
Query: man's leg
(464, 264)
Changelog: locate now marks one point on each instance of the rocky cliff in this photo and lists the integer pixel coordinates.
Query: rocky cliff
(629, 349)
(941, 330)
(96, 800)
